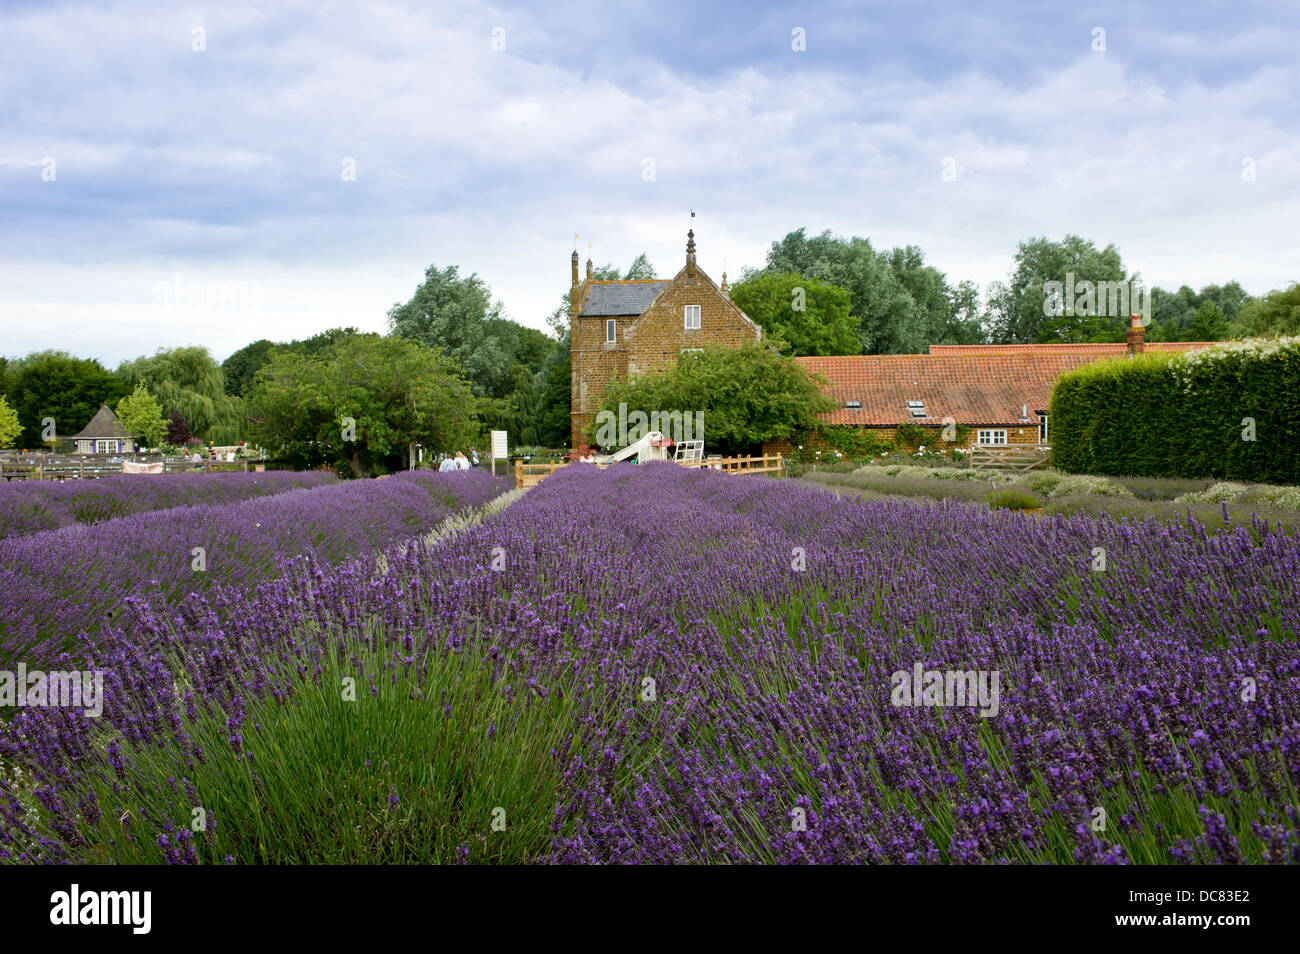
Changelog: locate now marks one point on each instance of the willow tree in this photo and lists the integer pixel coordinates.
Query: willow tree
(189, 381)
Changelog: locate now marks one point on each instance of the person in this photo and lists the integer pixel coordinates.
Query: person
(473, 456)
(462, 462)
(447, 464)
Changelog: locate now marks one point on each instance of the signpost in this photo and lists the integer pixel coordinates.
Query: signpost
(499, 449)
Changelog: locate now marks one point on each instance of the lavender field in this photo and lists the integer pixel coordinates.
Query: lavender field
(648, 664)
(48, 505)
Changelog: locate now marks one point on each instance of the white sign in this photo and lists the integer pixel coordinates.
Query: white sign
(499, 444)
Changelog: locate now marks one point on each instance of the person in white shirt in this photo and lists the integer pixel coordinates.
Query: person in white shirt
(462, 462)
(447, 464)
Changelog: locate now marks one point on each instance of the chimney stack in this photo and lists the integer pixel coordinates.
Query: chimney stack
(690, 255)
(573, 285)
(1136, 337)
(724, 287)
(588, 269)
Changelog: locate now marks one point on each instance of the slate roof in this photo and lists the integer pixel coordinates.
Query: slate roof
(975, 389)
(620, 298)
(103, 424)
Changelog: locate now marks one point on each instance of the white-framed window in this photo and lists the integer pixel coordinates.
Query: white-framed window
(993, 436)
(692, 317)
(1042, 428)
(692, 350)
(105, 447)
(611, 327)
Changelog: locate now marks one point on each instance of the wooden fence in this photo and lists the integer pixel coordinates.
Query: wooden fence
(529, 475)
(81, 466)
(1009, 457)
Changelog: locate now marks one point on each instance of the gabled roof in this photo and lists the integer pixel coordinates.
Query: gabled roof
(619, 298)
(976, 389)
(103, 425)
(1107, 349)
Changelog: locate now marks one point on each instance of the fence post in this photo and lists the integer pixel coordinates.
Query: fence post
(519, 473)
(81, 470)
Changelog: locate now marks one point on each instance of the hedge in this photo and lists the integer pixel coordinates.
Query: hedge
(1183, 415)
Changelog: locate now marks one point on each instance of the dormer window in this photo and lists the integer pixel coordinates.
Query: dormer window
(917, 408)
(853, 405)
(610, 328)
(692, 317)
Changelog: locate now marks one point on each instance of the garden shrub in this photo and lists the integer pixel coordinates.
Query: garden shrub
(1231, 411)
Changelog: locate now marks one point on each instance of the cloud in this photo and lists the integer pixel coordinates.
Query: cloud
(231, 162)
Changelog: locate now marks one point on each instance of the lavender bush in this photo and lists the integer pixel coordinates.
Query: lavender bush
(59, 585)
(47, 505)
(725, 649)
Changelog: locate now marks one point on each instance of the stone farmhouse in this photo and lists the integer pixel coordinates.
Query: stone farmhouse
(998, 393)
(625, 328)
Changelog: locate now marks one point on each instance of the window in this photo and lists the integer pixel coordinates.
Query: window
(993, 436)
(692, 317)
(610, 326)
(917, 408)
(853, 405)
(1042, 428)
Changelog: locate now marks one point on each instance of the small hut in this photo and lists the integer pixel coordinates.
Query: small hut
(104, 435)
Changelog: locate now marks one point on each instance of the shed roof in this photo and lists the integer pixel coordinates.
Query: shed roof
(103, 424)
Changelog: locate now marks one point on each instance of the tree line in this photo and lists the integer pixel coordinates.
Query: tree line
(453, 365)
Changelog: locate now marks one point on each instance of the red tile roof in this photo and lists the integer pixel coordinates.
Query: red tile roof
(1106, 349)
(976, 385)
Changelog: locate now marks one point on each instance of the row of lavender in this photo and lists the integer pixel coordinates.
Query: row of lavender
(731, 648)
(58, 587)
(48, 505)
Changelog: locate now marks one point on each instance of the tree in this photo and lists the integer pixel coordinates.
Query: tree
(1020, 311)
(1173, 313)
(1208, 324)
(456, 315)
(240, 368)
(141, 416)
(178, 429)
(188, 380)
(361, 403)
(54, 384)
(746, 395)
(10, 428)
(808, 316)
(1274, 315)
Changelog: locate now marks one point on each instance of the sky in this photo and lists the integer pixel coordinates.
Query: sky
(174, 174)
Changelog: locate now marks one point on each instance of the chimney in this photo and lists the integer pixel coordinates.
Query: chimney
(1136, 337)
(724, 288)
(573, 285)
(588, 269)
(690, 255)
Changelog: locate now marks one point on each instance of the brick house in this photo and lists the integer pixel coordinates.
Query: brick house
(625, 328)
(999, 393)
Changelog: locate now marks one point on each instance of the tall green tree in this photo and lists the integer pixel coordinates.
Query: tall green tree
(1020, 310)
(190, 381)
(1274, 315)
(361, 403)
(57, 385)
(808, 316)
(240, 368)
(10, 428)
(141, 416)
(747, 395)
